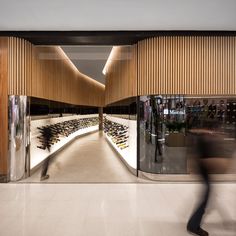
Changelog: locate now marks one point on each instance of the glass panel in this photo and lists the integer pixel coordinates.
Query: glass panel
(165, 122)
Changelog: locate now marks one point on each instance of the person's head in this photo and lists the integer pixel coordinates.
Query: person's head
(197, 103)
(222, 102)
(205, 101)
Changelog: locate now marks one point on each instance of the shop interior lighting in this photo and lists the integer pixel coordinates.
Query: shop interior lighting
(109, 60)
(68, 59)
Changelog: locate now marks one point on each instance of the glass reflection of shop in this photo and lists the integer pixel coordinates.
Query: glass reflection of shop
(164, 124)
(161, 129)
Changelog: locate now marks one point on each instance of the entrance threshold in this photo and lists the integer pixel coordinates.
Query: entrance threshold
(186, 177)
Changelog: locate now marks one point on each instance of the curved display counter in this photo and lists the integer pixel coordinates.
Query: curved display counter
(122, 135)
(39, 152)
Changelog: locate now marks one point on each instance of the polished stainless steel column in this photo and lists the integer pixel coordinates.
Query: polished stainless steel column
(18, 137)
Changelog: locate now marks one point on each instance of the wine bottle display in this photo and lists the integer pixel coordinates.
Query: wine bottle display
(63, 129)
(117, 132)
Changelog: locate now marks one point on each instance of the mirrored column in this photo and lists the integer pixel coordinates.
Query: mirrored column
(18, 137)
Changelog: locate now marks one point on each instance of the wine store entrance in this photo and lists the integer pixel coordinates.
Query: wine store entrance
(79, 150)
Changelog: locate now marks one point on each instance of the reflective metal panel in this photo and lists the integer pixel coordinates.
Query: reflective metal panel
(18, 136)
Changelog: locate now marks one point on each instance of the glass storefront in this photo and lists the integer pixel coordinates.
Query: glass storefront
(165, 121)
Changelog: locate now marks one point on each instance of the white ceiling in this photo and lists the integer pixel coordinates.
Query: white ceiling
(89, 60)
(117, 15)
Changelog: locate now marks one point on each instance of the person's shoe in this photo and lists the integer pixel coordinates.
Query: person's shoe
(44, 177)
(199, 231)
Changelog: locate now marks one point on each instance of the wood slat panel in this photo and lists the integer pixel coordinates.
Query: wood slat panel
(46, 72)
(58, 80)
(4, 61)
(187, 65)
(121, 76)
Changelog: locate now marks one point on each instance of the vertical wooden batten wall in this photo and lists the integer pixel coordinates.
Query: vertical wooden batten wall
(121, 75)
(20, 67)
(4, 106)
(187, 65)
(46, 72)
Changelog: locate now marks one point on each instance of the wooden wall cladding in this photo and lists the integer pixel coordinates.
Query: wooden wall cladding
(121, 77)
(187, 65)
(3, 105)
(46, 72)
(56, 78)
(19, 67)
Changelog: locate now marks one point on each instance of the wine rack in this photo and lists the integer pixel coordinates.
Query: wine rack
(118, 133)
(231, 112)
(51, 134)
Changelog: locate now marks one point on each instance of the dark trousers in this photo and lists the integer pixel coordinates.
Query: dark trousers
(158, 149)
(196, 218)
(45, 167)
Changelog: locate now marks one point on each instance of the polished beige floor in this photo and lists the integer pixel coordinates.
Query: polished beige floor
(89, 159)
(112, 209)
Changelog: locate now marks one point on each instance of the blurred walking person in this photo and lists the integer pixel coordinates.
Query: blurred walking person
(208, 147)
